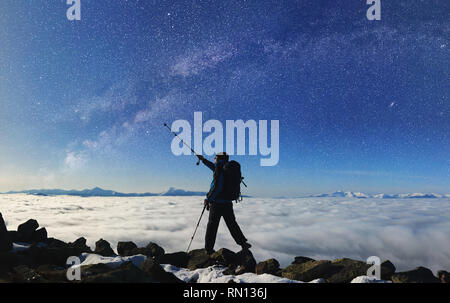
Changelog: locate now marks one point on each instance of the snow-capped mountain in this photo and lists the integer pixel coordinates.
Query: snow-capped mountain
(413, 195)
(99, 192)
(349, 194)
(181, 192)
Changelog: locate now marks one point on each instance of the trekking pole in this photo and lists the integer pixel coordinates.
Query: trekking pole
(198, 162)
(192, 238)
(242, 181)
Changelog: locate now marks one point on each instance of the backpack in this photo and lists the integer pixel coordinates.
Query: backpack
(233, 178)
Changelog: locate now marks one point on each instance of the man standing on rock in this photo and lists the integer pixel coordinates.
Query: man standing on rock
(219, 204)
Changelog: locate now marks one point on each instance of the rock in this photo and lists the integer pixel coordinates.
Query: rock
(178, 259)
(444, 276)
(124, 247)
(52, 273)
(26, 230)
(154, 270)
(39, 235)
(24, 274)
(418, 275)
(30, 225)
(5, 239)
(55, 243)
(199, 258)
(3, 228)
(14, 236)
(155, 250)
(271, 266)
(55, 252)
(309, 270)
(136, 251)
(94, 269)
(300, 260)
(246, 262)
(387, 270)
(103, 248)
(43, 255)
(339, 271)
(151, 250)
(224, 257)
(8, 260)
(80, 244)
(24, 259)
(345, 270)
(125, 273)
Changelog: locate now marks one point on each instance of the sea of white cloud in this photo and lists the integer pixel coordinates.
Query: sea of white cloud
(409, 232)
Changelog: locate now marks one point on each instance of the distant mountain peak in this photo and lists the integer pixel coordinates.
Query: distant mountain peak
(99, 192)
(172, 191)
(350, 194)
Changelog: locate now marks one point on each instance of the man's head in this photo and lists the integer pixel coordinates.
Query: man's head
(221, 156)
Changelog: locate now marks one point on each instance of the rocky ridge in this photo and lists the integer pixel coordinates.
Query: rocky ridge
(29, 255)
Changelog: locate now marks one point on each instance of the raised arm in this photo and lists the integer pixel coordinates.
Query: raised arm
(208, 163)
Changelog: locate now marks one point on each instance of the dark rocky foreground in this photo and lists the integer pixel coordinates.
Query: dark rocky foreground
(45, 262)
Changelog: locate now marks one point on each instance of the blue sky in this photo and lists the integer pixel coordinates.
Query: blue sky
(363, 106)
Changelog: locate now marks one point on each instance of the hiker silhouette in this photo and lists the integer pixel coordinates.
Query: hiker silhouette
(219, 202)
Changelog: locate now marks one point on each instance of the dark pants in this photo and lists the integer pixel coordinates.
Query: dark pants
(216, 211)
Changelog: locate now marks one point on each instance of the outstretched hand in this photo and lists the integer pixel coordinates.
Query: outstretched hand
(200, 157)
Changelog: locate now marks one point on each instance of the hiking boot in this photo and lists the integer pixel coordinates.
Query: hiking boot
(246, 246)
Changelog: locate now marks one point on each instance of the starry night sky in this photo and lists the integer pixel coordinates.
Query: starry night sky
(363, 105)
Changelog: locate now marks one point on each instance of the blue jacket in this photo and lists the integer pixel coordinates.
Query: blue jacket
(217, 182)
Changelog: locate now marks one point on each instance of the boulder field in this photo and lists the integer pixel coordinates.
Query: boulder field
(29, 255)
